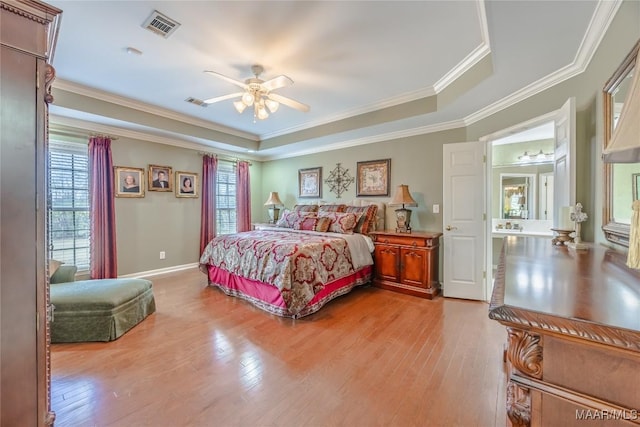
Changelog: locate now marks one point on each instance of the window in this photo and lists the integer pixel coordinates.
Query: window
(226, 197)
(68, 207)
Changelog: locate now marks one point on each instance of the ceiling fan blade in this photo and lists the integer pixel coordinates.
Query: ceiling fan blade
(276, 83)
(289, 102)
(243, 85)
(222, 98)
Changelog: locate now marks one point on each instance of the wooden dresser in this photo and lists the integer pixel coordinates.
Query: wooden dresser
(573, 327)
(407, 262)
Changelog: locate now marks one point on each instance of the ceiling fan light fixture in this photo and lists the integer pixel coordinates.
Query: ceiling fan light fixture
(248, 98)
(261, 112)
(258, 94)
(240, 106)
(272, 105)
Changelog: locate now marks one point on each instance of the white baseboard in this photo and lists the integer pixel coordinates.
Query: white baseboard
(166, 270)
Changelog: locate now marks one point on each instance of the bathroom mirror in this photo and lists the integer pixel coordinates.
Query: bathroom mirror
(517, 199)
(618, 177)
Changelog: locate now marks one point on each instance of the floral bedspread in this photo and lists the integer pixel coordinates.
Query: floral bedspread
(297, 263)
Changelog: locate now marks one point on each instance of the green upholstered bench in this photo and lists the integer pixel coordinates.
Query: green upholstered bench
(99, 309)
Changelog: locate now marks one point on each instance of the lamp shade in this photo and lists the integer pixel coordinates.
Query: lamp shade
(273, 199)
(403, 197)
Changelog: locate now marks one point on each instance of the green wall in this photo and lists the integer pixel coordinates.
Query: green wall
(162, 222)
(415, 161)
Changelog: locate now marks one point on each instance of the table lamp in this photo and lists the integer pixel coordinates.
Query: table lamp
(403, 215)
(273, 201)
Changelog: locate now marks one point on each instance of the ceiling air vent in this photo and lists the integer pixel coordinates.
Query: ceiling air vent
(160, 24)
(196, 101)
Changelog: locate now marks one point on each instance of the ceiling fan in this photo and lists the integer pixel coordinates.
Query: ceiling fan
(258, 93)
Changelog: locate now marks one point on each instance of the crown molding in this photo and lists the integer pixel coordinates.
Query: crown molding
(347, 114)
(147, 108)
(600, 21)
(474, 57)
(602, 17)
(462, 67)
(176, 141)
(604, 13)
(422, 130)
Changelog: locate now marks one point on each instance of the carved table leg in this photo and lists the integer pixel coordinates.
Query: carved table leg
(518, 405)
(524, 353)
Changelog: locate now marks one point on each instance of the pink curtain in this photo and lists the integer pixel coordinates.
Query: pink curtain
(102, 218)
(243, 198)
(208, 209)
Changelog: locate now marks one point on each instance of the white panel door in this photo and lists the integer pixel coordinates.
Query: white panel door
(564, 168)
(463, 220)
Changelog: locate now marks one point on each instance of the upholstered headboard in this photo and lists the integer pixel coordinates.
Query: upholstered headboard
(380, 215)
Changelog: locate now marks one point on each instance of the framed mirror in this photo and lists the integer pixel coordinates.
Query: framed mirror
(518, 198)
(618, 177)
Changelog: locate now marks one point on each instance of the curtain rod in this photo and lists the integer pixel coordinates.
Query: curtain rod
(220, 156)
(103, 135)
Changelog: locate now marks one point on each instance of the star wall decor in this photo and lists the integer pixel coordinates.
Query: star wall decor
(339, 180)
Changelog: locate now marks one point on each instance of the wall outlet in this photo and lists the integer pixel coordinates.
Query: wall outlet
(436, 208)
(163, 255)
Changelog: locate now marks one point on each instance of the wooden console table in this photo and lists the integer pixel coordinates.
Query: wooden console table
(573, 326)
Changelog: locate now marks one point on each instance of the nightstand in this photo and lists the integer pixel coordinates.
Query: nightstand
(407, 262)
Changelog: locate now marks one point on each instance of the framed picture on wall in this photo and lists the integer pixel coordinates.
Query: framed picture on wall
(186, 184)
(372, 178)
(310, 182)
(635, 177)
(160, 178)
(129, 182)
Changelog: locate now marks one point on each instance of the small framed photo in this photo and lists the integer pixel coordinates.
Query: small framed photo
(129, 182)
(310, 183)
(372, 178)
(635, 177)
(186, 184)
(160, 178)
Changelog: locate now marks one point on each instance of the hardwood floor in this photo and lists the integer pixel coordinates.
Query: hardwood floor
(369, 358)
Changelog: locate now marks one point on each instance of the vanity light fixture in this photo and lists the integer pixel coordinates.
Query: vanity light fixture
(539, 157)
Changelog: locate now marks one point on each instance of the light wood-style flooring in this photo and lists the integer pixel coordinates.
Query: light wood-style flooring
(370, 358)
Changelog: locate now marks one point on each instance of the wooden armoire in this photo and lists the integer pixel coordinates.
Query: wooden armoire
(28, 29)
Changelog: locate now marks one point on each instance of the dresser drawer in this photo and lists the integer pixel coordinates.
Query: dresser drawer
(403, 240)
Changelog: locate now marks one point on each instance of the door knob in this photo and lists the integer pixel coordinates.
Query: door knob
(449, 228)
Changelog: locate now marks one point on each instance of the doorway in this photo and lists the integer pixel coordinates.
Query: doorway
(543, 147)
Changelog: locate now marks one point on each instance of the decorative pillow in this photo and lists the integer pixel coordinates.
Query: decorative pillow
(367, 221)
(53, 266)
(322, 224)
(340, 222)
(332, 208)
(305, 208)
(306, 223)
(289, 219)
(282, 220)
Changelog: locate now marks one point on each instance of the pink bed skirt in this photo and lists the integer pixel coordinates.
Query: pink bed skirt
(268, 297)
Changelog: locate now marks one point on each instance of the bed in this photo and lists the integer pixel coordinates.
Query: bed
(311, 256)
